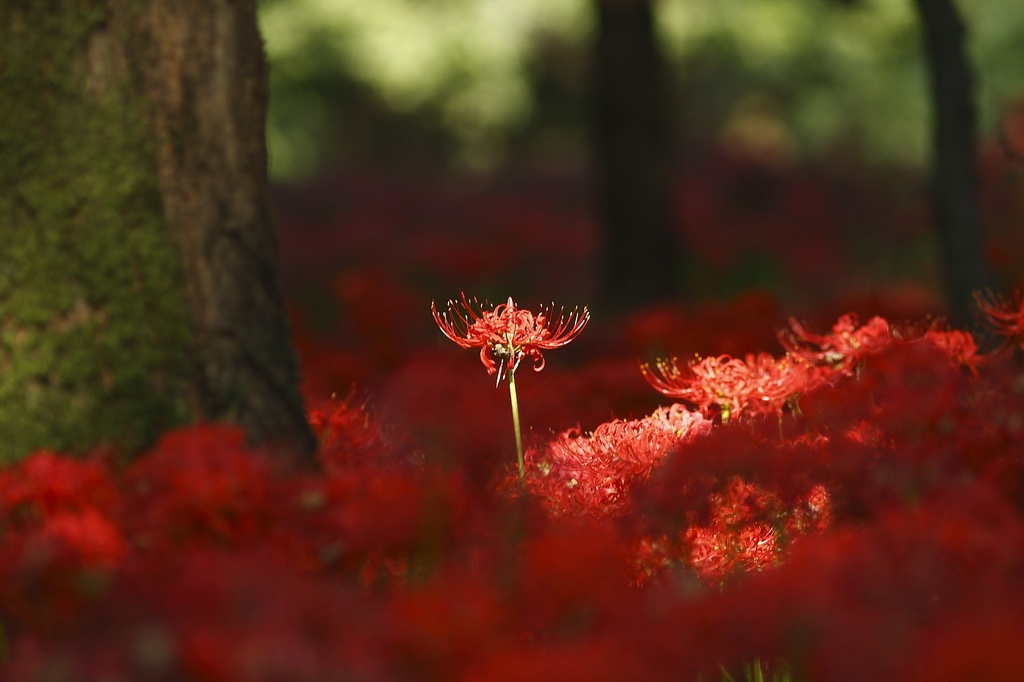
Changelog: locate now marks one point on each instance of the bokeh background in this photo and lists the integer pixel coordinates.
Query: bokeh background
(486, 85)
(419, 149)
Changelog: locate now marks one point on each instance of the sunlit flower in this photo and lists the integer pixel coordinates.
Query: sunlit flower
(593, 472)
(506, 334)
(813, 513)
(758, 383)
(848, 343)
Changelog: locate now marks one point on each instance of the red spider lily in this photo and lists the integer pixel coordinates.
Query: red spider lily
(959, 345)
(843, 348)
(1005, 318)
(506, 333)
(593, 473)
(813, 513)
(348, 433)
(759, 383)
(717, 554)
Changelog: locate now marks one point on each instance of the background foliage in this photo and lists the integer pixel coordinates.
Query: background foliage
(479, 83)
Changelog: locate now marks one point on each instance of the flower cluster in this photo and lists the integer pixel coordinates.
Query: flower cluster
(853, 544)
(757, 383)
(876, 533)
(576, 472)
(763, 384)
(848, 343)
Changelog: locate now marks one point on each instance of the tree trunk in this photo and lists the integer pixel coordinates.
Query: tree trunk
(954, 176)
(642, 250)
(138, 277)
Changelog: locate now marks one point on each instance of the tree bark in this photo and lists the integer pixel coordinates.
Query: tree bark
(138, 282)
(954, 174)
(642, 252)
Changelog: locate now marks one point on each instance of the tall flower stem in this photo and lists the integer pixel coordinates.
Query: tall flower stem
(507, 334)
(515, 422)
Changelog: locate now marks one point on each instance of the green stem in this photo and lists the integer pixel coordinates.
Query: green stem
(515, 423)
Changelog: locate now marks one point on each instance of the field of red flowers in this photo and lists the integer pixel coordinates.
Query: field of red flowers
(801, 475)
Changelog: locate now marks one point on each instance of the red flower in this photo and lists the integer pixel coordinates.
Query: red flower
(844, 347)
(1005, 318)
(959, 345)
(87, 535)
(505, 334)
(760, 383)
(594, 472)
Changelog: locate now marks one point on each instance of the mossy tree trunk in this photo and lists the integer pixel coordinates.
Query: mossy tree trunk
(954, 175)
(138, 275)
(643, 254)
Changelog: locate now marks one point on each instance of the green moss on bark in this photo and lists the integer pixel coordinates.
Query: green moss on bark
(93, 323)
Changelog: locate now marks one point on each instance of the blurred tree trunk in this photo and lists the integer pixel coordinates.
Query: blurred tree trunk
(642, 251)
(138, 276)
(954, 176)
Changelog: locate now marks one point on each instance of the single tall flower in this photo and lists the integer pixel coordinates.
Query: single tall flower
(505, 335)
